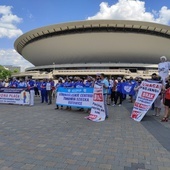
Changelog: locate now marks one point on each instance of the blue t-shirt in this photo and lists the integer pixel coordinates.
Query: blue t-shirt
(119, 87)
(31, 84)
(68, 84)
(38, 85)
(105, 82)
(22, 84)
(88, 84)
(43, 85)
(79, 84)
(13, 83)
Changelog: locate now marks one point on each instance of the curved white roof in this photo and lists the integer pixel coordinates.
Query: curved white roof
(103, 41)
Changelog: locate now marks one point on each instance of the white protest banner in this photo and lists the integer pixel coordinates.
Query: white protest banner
(14, 96)
(75, 97)
(97, 113)
(145, 98)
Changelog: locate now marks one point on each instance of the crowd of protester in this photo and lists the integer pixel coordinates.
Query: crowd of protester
(112, 90)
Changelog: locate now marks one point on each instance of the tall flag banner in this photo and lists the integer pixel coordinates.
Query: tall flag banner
(75, 97)
(145, 98)
(97, 113)
(14, 96)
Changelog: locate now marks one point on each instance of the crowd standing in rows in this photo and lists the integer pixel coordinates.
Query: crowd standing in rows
(112, 88)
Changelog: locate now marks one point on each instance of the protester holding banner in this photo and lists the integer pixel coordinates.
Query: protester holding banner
(132, 82)
(105, 84)
(22, 84)
(79, 83)
(158, 104)
(166, 101)
(13, 83)
(89, 82)
(148, 92)
(155, 79)
(163, 69)
(59, 84)
(68, 84)
(137, 87)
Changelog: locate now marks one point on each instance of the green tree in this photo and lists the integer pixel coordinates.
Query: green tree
(4, 74)
(15, 71)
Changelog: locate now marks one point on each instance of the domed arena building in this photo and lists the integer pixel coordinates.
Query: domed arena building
(114, 47)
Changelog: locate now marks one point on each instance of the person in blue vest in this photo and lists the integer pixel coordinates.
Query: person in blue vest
(59, 84)
(13, 83)
(68, 84)
(31, 85)
(38, 85)
(44, 91)
(79, 83)
(89, 82)
(22, 84)
(132, 93)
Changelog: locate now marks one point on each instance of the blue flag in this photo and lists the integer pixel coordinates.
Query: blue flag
(128, 88)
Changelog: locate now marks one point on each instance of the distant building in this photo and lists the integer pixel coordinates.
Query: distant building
(13, 68)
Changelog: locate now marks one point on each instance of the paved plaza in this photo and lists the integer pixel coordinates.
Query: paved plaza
(41, 138)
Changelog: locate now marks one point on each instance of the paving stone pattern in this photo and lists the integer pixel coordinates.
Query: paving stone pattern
(41, 138)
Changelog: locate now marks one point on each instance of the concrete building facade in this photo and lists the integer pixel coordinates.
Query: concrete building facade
(115, 47)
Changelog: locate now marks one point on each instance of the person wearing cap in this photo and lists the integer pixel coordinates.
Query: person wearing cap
(68, 84)
(163, 69)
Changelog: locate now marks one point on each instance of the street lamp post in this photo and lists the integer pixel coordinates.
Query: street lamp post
(53, 68)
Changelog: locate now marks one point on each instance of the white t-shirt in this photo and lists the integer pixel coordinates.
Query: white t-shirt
(163, 70)
(48, 86)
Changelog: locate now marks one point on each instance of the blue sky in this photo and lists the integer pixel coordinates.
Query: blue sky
(20, 16)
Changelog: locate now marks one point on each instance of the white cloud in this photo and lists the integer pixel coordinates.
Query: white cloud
(8, 23)
(11, 57)
(132, 10)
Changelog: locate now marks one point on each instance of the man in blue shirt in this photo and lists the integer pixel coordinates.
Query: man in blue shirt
(31, 85)
(105, 84)
(44, 91)
(13, 83)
